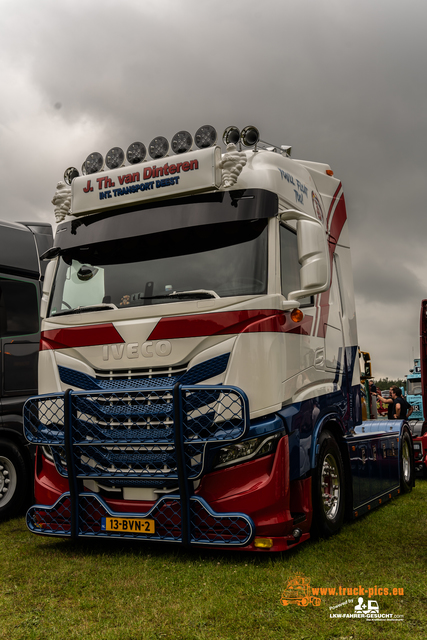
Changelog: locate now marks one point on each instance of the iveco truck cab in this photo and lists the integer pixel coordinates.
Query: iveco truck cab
(199, 372)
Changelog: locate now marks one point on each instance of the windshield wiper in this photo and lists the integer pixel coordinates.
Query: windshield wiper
(86, 309)
(194, 293)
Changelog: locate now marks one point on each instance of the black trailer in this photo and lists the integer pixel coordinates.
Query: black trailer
(21, 277)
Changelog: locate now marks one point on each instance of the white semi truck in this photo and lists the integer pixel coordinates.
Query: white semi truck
(199, 374)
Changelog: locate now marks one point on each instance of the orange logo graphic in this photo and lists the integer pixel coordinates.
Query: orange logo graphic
(298, 591)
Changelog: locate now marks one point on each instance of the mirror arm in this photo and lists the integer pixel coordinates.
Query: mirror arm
(309, 292)
(290, 304)
(294, 214)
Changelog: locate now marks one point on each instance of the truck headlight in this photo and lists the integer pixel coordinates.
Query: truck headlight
(247, 450)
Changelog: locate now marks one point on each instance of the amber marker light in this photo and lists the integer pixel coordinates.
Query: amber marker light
(297, 315)
(329, 172)
(263, 543)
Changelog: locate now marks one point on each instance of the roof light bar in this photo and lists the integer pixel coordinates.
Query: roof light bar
(231, 135)
(182, 142)
(158, 147)
(205, 136)
(136, 152)
(115, 158)
(70, 174)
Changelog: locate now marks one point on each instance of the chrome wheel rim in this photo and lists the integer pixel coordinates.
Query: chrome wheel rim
(8, 480)
(406, 461)
(330, 486)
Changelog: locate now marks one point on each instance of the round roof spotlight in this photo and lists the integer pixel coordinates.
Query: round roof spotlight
(205, 136)
(115, 158)
(158, 147)
(70, 174)
(249, 136)
(231, 135)
(181, 142)
(136, 152)
(93, 163)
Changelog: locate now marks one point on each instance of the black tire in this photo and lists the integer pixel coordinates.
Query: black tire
(406, 463)
(328, 488)
(14, 480)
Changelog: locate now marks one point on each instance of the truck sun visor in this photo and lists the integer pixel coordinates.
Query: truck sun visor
(194, 211)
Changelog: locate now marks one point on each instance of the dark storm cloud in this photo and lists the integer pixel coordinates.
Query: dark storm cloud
(342, 81)
(387, 281)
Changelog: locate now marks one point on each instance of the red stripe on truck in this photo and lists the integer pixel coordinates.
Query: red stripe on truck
(228, 323)
(70, 337)
(194, 326)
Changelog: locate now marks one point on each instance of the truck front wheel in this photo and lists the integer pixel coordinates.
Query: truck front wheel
(13, 479)
(328, 488)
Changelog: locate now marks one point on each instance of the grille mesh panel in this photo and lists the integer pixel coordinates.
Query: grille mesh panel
(198, 373)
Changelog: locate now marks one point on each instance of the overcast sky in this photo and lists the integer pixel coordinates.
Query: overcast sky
(342, 81)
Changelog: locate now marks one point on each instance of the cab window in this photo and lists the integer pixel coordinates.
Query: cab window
(19, 314)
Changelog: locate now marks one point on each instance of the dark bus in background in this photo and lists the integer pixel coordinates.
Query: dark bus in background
(21, 276)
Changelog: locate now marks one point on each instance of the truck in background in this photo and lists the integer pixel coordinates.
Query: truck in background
(419, 427)
(413, 391)
(199, 378)
(21, 274)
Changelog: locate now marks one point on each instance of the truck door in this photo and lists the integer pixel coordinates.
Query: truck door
(19, 341)
(298, 359)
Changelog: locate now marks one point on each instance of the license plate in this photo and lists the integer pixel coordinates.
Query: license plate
(127, 525)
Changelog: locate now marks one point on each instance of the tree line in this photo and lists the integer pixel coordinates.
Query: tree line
(386, 383)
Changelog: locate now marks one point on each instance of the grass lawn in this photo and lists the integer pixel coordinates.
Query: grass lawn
(103, 590)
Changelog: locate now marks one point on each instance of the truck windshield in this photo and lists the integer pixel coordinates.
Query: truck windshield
(217, 260)
(413, 387)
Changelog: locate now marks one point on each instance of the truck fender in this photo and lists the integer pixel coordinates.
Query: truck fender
(334, 424)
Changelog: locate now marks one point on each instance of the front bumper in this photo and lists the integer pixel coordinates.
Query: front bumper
(205, 526)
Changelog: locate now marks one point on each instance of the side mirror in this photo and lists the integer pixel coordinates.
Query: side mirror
(365, 365)
(313, 254)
